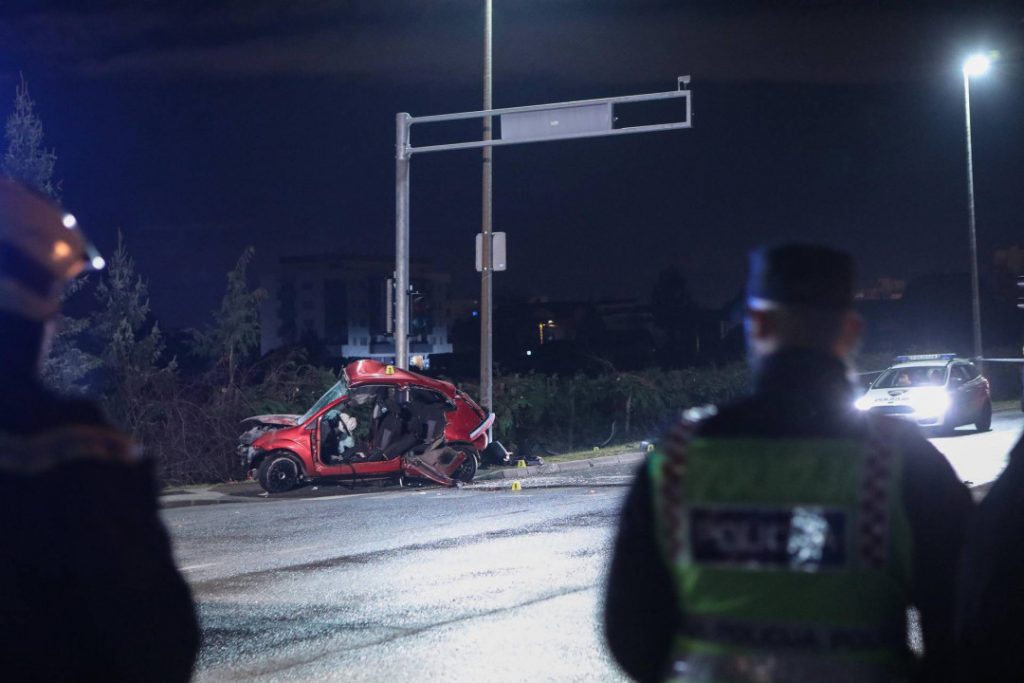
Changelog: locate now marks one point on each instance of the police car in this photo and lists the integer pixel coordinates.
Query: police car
(938, 391)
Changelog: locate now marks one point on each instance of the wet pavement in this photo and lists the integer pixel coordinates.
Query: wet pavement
(389, 583)
(980, 457)
(398, 584)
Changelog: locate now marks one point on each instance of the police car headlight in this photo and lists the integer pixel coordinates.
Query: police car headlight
(930, 402)
(862, 403)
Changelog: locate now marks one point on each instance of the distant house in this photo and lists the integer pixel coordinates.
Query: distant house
(341, 301)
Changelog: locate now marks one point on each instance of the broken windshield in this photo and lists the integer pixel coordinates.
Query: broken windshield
(333, 394)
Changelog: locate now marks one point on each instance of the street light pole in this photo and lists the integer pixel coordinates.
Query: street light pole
(401, 294)
(973, 66)
(486, 271)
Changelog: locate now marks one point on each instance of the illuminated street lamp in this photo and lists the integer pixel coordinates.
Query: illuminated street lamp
(975, 65)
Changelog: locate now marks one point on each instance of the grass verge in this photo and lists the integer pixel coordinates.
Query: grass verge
(618, 449)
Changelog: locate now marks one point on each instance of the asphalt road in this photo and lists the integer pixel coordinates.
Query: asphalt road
(475, 584)
(979, 458)
(471, 584)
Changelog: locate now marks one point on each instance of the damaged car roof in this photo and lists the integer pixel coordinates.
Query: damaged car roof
(374, 372)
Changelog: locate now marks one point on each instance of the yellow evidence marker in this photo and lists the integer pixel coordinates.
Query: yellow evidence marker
(520, 463)
(516, 486)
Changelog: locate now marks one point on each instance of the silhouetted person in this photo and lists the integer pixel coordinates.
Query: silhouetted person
(88, 588)
(783, 537)
(990, 615)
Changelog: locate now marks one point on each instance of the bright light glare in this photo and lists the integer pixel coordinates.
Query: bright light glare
(61, 250)
(98, 263)
(976, 65)
(930, 402)
(69, 221)
(862, 403)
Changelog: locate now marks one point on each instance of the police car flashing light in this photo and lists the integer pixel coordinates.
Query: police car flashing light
(926, 356)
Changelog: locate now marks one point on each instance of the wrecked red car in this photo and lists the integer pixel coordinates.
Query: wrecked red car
(377, 422)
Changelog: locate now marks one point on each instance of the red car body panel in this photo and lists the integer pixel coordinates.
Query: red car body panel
(363, 372)
(302, 440)
(283, 420)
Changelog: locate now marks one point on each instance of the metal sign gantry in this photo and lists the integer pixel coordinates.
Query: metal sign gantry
(518, 125)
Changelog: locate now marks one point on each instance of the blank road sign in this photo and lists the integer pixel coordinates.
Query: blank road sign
(498, 253)
(554, 123)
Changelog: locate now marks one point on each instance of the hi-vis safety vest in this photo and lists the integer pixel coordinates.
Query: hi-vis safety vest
(791, 559)
(40, 453)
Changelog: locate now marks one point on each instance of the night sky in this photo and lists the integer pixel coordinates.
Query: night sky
(198, 128)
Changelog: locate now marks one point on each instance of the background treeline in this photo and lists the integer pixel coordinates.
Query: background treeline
(183, 407)
(555, 413)
(186, 408)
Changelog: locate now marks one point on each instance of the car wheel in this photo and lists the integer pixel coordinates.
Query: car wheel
(984, 421)
(467, 470)
(278, 473)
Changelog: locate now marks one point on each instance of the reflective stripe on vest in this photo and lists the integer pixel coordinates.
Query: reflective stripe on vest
(30, 455)
(783, 550)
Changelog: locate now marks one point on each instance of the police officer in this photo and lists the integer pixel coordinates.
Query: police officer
(990, 603)
(783, 538)
(88, 588)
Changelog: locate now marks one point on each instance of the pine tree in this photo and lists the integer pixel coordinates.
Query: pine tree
(133, 350)
(235, 333)
(26, 159)
(67, 365)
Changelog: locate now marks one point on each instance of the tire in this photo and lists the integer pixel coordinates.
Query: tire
(984, 421)
(279, 473)
(467, 470)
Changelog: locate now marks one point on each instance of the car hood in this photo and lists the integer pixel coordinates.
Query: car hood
(898, 395)
(276, 420)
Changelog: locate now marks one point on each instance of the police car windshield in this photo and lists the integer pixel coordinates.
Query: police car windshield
(898, 378)
(333, 394)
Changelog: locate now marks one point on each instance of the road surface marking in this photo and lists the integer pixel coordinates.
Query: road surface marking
(197, 566)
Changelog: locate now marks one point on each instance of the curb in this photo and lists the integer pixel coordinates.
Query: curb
(197, 502)
(561, 467)
(195, 496)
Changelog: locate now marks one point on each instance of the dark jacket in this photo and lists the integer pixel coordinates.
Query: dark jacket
(88, 587)
(796, 394)
(990, 615)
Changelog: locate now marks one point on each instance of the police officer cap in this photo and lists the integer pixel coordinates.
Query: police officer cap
(800, 274)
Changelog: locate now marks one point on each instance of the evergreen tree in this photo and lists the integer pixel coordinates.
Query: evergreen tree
(67, 365)
(26, 159)
(132, 348)
(235, 333)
